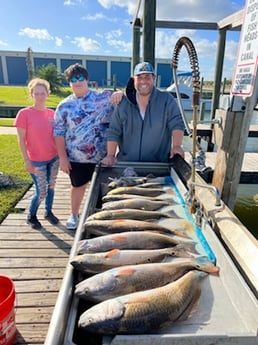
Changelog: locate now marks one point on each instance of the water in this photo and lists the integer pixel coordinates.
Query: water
(246, 206)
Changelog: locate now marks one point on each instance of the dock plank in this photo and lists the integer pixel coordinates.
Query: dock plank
(249, 171)
(27, 274)
(36, 261)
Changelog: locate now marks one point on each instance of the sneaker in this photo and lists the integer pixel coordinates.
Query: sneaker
(51, 218)
(33, 221)
(72, 222)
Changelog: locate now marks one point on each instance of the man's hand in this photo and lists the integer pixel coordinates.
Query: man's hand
(109, 160)
(177, 150)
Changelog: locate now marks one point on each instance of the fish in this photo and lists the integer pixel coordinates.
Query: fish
(126, 181)
(138, 203)
(127, 279)
(140, 181)
(106, 226)
(132, 240)
(140, 191)
(99, 262)
(116, 197)
(145, 311)
(127, 213)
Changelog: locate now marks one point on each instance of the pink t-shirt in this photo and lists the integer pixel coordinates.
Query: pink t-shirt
(38, 124)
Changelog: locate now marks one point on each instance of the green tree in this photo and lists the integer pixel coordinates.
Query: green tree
(52, 75)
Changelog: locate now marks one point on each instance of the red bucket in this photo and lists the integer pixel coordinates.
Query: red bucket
(7, 312)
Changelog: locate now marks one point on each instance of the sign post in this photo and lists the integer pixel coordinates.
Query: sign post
(247, 62)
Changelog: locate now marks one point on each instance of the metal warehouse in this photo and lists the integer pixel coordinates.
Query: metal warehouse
(102, 69)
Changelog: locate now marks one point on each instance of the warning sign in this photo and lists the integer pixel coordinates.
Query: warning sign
(247, 61)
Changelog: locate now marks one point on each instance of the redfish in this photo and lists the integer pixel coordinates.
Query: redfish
(141, 191)
(132, 240)
(99, 262)
(116, 197)
(140, 181)
(138, 203)
(128, 213)
(127, 279)
(144, 311)
(106, 226)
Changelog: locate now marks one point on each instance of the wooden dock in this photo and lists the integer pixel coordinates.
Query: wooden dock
(36, 260)
(249, 171)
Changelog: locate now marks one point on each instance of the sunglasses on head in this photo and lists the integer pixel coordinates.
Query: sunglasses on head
(79, 78)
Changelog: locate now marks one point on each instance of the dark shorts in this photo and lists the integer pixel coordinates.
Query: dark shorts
(81, 173)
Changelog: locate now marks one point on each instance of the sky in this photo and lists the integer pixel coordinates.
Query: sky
(103, 27)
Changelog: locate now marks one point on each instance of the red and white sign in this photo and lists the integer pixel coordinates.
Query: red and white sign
(247, 62)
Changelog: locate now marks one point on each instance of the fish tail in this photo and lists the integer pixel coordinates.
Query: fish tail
(171, 214)
(190, 247)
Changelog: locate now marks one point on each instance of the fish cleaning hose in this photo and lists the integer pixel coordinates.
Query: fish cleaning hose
(187, 43)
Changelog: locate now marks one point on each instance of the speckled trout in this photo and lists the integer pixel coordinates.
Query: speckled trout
(144, 311)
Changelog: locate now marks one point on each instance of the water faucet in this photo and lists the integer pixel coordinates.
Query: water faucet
(213, 188)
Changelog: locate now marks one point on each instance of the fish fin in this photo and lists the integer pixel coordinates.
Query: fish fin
(169, 191)
(125, 272)
(181, 233)
(112, 252)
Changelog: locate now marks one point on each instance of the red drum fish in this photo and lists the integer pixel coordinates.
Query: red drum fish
(133, 240)
(128, 213)
(106, 226)
(99, 262)
(127, 279)
(144, 311)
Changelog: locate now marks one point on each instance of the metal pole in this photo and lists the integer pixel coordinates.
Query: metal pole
(149, 26)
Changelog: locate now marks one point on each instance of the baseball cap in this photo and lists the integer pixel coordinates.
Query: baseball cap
(143, 67)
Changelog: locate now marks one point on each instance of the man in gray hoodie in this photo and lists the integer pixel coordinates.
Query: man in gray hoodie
(146, 126)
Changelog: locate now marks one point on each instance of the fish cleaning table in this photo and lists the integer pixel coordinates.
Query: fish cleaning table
(227, 312)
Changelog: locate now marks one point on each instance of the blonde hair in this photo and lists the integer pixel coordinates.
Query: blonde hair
(38, 81)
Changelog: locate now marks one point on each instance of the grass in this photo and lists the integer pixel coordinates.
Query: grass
(18, 95)
(12, 164)
(6, 122)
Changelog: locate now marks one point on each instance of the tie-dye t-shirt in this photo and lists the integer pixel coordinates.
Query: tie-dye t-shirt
(83, 123)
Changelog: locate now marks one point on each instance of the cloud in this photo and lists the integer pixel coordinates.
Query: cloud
(112, 39)
(2, 43)
(192, 10)
(41, 34)
(58, 41)
(86, 44)
(72, 2)
(99, 16)
(129, 4)
(113, 34)
(126, 47)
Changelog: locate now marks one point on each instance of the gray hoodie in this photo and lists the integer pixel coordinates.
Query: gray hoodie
(147, 140)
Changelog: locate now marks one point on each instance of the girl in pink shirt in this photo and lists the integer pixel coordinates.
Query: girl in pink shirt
(35, 137)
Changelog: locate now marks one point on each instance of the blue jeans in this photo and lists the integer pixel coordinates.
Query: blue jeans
(44, 180)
